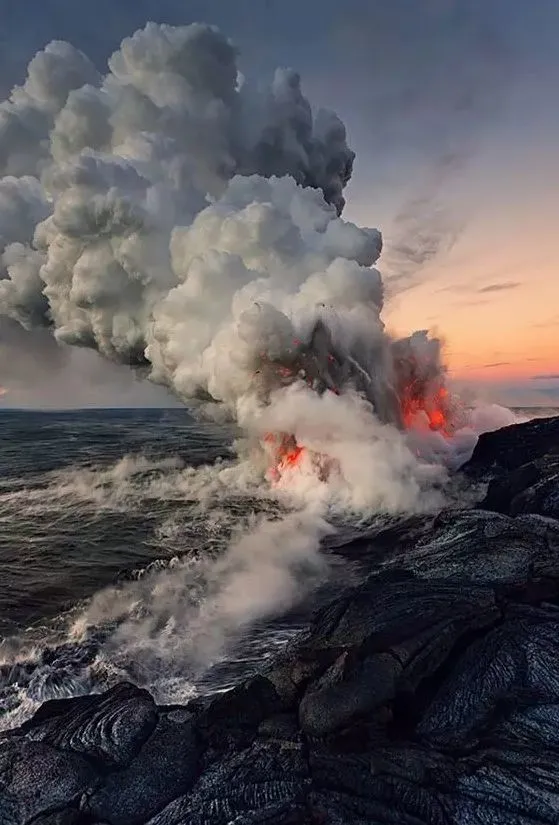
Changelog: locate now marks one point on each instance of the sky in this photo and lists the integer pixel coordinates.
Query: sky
(450, 106)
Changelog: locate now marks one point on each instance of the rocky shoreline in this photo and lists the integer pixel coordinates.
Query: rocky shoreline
(426, 693)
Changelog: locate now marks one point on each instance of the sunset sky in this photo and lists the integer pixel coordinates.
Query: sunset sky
(451, 107)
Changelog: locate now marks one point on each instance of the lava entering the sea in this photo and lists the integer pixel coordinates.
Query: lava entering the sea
(433, 409)
(413, 397)
(421, 408)
(284, 453)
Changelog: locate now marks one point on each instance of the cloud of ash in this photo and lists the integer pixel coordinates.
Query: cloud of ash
(33, 365)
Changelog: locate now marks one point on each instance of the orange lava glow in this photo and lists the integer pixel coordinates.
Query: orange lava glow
(423, 405)
(420, 407)
(286, 453)
(434, 408)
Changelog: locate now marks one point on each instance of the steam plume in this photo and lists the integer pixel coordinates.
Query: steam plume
(177, 218)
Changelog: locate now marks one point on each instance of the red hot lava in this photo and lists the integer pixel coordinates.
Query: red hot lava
(433, 408)
(285, 453)
(422, 402)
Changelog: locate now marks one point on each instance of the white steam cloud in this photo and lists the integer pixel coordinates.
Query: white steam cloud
(125, 224)
(179, 219)
(176, 217)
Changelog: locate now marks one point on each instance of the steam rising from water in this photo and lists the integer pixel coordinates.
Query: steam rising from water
(179, 219)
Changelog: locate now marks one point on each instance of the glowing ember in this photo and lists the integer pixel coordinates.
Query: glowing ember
(422, 401)
(431, 405)
(286, 453)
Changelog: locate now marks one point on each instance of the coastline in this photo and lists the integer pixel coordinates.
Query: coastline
(427, 692)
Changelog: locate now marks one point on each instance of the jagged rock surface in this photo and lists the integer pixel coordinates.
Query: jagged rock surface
(428, 693)
(522, 465)
(511, 447)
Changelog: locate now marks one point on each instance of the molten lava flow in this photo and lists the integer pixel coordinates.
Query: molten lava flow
(286, 453)
(418, 401)
(432, 405)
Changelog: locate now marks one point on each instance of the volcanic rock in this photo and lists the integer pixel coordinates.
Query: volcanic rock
(169, 758)
(509, 448)
(428, 692)
(38, 779)
(110, 728)
(522, 465)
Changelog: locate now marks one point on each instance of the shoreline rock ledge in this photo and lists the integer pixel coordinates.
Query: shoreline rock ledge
(426, 693)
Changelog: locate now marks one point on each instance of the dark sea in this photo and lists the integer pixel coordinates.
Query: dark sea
(112, 527)
(75, 509)
(112, 524)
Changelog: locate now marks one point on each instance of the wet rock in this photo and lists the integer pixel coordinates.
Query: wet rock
(282, 728)
(402, 784)
(169, 758)
(393, 633)
(67, 817)
(388, 609)
(37, 779)
(515, 665)
(477, 545)
(230, 721)
(258, 781)
(509, 448)
(425, 694)
(533, 488)
(344, 695)
(110, 727)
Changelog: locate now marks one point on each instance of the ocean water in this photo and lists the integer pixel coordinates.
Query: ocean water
(113, 527)
(76, 506)
(112, 523)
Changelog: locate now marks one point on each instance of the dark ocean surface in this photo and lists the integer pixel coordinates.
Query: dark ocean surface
(96, 498)
(65, 530)
(139, 499)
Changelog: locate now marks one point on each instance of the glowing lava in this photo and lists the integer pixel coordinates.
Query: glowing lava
(421, 407)
(423, 403)
(434, 408)
(286, 453)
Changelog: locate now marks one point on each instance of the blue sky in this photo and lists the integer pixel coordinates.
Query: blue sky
(451, 108)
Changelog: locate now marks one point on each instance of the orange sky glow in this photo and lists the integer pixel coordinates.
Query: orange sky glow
(494, 296)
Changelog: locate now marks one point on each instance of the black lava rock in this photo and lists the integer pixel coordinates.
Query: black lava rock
(509, 448)
(35, 778)
(426, 694)
(110, 727)
(169, 758)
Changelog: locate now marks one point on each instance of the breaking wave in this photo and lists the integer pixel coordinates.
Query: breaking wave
(187, 223)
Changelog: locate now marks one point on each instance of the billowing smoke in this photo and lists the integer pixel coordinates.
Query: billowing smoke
(179, 219)
(113, 171)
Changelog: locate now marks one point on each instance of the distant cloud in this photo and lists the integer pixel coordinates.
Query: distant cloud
(473, 302)
(500, 287)
(434, 118)
(36, 372)
(497, 364)
(550, 322)
(466, 288)
(546, 376)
